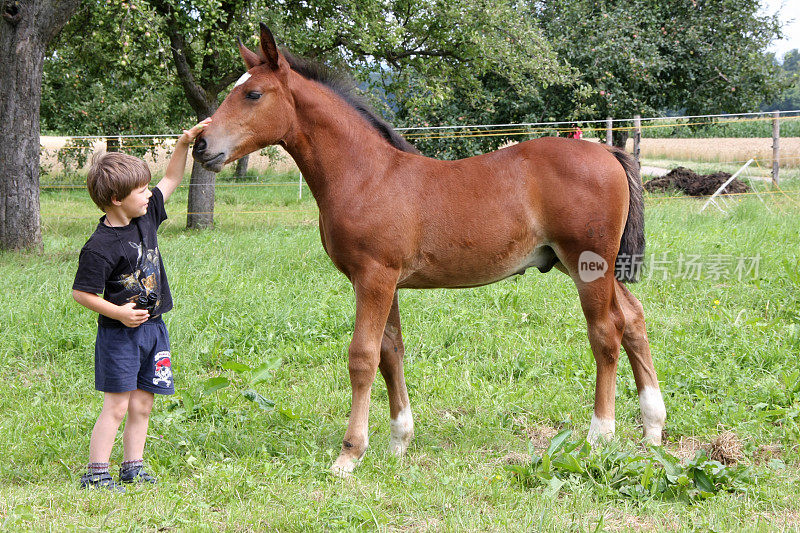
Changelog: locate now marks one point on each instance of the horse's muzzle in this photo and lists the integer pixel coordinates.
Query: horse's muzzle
(212, 162)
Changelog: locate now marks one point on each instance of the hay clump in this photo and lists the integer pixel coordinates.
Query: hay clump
(726, 448)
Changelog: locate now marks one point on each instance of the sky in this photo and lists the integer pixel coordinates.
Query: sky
(790, 17)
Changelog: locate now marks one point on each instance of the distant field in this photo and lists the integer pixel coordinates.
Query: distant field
(156, 156)
(722, 150)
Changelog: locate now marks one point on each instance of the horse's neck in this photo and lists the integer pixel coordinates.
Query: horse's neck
(333, 146)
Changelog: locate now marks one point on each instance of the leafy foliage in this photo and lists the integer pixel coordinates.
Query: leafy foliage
(640, 57)
(789, 99)
(419, 52)
(114, 80)
(616, 473)
(242, 378)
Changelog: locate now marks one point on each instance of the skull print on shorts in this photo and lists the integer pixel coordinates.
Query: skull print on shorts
(163, 369)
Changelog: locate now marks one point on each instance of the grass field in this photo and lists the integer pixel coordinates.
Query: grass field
(492, 373)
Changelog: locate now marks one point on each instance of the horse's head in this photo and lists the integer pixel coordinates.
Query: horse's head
(258, 111)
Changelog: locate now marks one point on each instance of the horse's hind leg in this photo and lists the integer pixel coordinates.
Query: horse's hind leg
(636, 345)
(605, 322)
(391, 367)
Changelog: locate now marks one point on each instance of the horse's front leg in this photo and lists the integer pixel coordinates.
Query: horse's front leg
(375, 288)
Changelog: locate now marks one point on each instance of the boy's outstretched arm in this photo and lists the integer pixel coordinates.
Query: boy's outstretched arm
(177, 164)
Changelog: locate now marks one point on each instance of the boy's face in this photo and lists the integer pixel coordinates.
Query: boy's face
(135, 204)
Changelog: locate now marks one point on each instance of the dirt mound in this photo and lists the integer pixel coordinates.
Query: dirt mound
(693, 184)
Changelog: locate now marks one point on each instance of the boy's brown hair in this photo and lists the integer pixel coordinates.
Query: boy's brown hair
(114, 175)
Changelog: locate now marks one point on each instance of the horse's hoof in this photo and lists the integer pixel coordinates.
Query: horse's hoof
(399, 444)
(343, 466)
(652, 437)
(600, 431)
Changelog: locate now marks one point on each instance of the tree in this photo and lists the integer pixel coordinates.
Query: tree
(789, 98)
(146, 67)
(642, 57)
(432, 60)
(92, 85)
(629, 57)
(26, 28)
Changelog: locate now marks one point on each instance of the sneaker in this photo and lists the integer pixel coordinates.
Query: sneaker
(135, 475)
(101, 481)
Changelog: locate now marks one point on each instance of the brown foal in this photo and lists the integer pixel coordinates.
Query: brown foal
(390, 218)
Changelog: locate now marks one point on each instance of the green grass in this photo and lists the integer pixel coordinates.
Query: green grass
(487, 369)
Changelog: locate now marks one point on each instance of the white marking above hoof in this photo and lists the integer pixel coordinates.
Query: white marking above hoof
(402, 431)
(601, 430)
(654, 414)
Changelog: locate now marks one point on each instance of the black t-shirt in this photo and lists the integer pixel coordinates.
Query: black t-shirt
(124, 263)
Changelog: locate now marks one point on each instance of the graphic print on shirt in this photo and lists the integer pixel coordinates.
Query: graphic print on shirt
(163, 369)
(144, 279)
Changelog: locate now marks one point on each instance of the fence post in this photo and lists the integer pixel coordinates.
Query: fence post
(776, 135)
(609, 130)
(637, 139)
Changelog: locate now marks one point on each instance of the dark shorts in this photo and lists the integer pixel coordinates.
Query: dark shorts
(127, 359)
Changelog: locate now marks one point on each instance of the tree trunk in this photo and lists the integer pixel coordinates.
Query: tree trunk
(201, 198)
(241, 167)
(195, 77)
(26, 27)
(200, 205)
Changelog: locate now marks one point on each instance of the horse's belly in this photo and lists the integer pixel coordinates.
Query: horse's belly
(471, 268)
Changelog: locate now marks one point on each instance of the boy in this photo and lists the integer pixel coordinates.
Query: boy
(121, 260)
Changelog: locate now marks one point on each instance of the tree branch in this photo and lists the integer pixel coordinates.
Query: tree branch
(196, 95)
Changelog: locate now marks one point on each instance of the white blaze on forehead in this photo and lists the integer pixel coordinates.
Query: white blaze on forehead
(244, 78)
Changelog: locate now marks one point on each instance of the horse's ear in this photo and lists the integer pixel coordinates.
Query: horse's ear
(250, 59)
(268, 47)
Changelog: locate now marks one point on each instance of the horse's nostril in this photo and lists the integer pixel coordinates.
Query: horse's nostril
(200, 145)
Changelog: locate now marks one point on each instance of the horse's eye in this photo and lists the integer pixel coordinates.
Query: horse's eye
(253, 95)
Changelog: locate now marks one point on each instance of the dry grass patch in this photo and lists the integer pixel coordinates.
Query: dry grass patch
(618, 520)
(725, 448)
(157, 160)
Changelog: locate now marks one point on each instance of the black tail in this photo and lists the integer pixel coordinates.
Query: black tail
(630, 258)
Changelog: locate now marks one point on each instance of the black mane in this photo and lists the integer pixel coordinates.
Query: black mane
(345, 87)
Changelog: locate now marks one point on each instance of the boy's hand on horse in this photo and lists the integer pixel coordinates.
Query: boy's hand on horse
(192, 133)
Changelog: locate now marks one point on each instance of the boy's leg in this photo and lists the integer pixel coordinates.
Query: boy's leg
(154, 377)
(115, 405)
(135, 434)
(134, 437)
